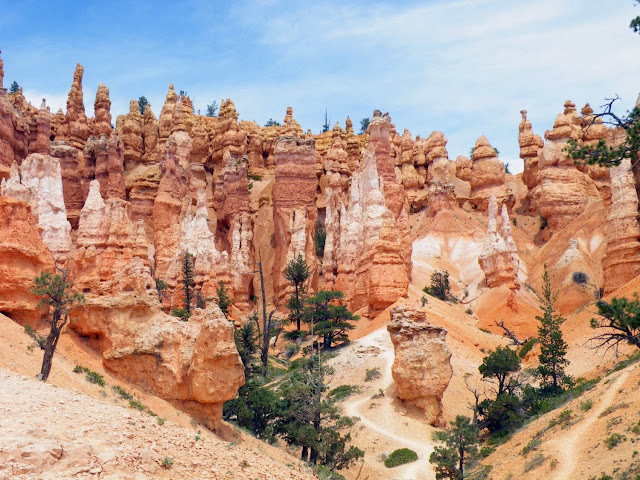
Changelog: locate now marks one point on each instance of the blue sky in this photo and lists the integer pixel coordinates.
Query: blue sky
(464, 67)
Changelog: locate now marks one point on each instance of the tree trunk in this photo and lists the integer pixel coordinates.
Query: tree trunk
(49, 350)
(305, 453)
(264, 354)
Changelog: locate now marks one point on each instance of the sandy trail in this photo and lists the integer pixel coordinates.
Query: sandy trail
(567, 446)
(388, 421)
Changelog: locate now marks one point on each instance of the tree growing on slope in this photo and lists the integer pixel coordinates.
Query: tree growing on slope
(460, 445)
(188, 282)
(500, 366)
(329, 320)
(297, 272)
(224, 302)
(619, 321)
(553, 348)
(56, 294)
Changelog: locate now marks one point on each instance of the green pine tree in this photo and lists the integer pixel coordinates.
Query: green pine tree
(297, 272)
(461, 442)
(553, 348)
(329, 320)
(224, 302)
(188, 281)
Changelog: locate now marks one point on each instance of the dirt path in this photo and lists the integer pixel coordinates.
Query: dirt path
(387, 421)
(567, 446)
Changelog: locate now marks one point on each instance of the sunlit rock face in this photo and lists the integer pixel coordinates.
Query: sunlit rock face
(422, 366)
(487, 175)
(294, 208)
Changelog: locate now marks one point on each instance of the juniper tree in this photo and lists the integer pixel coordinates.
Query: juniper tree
(297, 272)
(188, 282)
(56, 294)
(553, 348)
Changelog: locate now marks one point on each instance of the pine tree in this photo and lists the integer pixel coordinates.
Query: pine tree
(56, 293)
(328, 320)
(14, 88)
(224, 302)
(188, 281)
(553, 348)
(297, 272)
(142, 104)
(460, 446)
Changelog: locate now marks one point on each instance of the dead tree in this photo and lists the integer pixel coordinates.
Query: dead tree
(56, 293)
(267, 322)
(510, 334)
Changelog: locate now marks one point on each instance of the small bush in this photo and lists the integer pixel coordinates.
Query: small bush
(468, 311)
(526, 348)
(167, 462)
(160, 421)
(372, 374)
(181, 313)
(537, 460)
(586, 405)
(257, 178)
(36, 336)
(531, 446)
(484, 452)
(613, 440)
(543, 223)
(92, 377)
(343, 391)
(136, 404)
(563, 419)
(319, 238)
(122, 393)
(580, 278)
(325, 474)
(400, 457)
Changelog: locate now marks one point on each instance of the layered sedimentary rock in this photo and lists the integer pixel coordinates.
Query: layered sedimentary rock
(194, 365)
(171, 201)
(294, 206)
(151, 135)
(228, 135)
(14, 134)
(23, 255)
(499, 256)
(372, 258)
(234, 225)
(562, 192)
(422, 365)
(71, 179)
(530, 145)
(487, 175)
(440, 192)
(40, 185)
(102, 109)
(621, 261)
(1, 72)
(210, 265)
(165, 121)
(104, 161)
(132, 129)
(76, 119)
(40, 132)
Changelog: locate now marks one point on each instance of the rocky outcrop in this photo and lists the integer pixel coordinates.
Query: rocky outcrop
(372, 257)
(102, 109)
(14, 134)
(171, 201)
(440, 192)
(194, 365)
(71, 179)
(422, 366)
(165, 121)
(40, 185)
(499, 256)
(23, 255)
(210, 265)
(40, 138)
(1, 72)
(132, 129)
(151, 136)
(294, 206)
(104, 161)
(621, 261)
(235, 227)
(76, 119)
(530, 145)
(228, 135)
(487, 175)
(562, 192)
